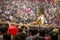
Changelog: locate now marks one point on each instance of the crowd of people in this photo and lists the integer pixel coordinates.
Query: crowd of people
(25, 32)
(15, 11)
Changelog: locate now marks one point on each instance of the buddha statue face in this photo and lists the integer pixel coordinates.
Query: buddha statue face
(40, 10)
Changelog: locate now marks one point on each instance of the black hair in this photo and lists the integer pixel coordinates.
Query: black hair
(33, 30)
(6, 36)
(20, 30)
(21, 36)
(48, 30)
(1, 29)
(54, 36)
(4, 28)
(42, 31)
(26, 30)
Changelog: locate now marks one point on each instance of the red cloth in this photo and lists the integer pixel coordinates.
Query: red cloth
(12, 30)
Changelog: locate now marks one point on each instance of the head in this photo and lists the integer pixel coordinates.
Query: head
(22, 36)
(41, 10)
(1, 30)
(41, 31)
(6, 36)
(33, 30)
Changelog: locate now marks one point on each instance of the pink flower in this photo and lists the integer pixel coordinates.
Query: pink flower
(28, 10)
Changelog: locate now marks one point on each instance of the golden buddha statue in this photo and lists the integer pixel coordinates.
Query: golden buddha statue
(40, 19)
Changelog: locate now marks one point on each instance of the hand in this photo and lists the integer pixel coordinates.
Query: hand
(8, 22)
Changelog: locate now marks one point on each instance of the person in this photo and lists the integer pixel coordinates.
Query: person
(42, 31)
(40, 35)
(21, 36)
(55, 33)
(1, 33)
(33, 31)
(47, 37)
(6, 36)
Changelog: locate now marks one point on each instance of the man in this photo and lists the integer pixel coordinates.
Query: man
(33, 31)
